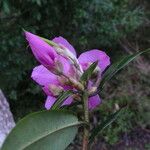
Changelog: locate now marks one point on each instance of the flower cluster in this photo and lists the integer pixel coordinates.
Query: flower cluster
(61, 70)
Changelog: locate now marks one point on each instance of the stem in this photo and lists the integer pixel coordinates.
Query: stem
(86, 119)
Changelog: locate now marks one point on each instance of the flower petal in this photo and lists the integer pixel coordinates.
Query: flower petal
(64, 42)
(43, 52)
(94, 101)
(43, 76)
(49, 102)
(92, 56)
(65, 64)
(47, 91)
(68, 101)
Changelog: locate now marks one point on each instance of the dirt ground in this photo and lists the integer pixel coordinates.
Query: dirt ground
(138, 139)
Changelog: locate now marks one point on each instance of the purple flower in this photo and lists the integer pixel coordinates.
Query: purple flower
(43, 52)
(64, 56)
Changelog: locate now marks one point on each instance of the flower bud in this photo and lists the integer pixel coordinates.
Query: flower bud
(43, 52)
(63, 51)
(92, 90)
(76, 84)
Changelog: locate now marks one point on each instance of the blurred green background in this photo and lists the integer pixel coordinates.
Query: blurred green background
(119, 27)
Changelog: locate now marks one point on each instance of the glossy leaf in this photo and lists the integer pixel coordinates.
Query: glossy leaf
(88, 73)
(61, 99)
(114, 68)
(46, 130)
(96, 131)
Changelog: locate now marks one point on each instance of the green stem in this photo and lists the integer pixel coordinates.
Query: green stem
(86, 119)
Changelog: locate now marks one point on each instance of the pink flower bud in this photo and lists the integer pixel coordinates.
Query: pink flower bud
(43, 52)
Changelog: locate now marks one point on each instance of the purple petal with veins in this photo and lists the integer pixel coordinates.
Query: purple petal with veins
(94, 55)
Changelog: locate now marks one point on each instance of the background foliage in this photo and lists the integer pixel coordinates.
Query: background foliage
(118, 27)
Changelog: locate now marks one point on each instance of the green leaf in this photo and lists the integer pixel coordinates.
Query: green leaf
(45, 130)
(114, 68)
(96, 131)
(61, 99)
(88, 73)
